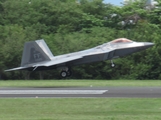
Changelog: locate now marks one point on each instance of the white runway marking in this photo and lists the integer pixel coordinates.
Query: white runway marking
(52, 91)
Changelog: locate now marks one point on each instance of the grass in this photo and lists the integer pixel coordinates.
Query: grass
(66, 83)
(80, 109)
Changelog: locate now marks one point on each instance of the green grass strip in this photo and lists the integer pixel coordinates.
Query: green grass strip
(62, 83)
(80, 109)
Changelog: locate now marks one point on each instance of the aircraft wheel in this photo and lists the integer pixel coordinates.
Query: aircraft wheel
(112, 65)
(63, 74)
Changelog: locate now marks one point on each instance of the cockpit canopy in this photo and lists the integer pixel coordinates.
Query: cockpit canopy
(121, 40)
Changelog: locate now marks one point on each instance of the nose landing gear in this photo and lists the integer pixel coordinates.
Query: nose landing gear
(112, 64)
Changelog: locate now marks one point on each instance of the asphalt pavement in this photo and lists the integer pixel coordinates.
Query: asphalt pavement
(80, 92)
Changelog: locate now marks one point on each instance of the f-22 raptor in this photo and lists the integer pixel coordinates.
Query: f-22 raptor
(37, 55)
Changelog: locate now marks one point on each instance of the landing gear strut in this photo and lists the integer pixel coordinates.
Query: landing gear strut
(112, 64)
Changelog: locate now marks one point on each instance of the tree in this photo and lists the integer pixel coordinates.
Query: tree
(68, 26)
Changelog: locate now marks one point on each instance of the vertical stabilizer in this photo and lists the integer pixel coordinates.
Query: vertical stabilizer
(34, 52)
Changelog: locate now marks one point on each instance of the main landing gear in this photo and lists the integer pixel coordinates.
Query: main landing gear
(65, 73)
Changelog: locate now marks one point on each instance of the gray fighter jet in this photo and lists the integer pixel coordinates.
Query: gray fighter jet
(37, 55)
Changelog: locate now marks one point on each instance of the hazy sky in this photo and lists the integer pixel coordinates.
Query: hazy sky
(114, 2)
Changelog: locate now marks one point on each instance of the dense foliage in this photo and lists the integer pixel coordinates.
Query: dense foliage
(69, 26)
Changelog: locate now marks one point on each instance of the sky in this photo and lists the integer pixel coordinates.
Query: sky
(114, 2)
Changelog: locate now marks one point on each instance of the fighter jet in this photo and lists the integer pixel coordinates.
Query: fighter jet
(37, 56)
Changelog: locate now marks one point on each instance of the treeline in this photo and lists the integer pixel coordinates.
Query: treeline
(68, 26)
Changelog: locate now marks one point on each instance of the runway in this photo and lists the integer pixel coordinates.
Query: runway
(81, 92)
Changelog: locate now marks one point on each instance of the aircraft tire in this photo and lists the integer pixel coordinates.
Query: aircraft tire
(63, 74)
(112, 65)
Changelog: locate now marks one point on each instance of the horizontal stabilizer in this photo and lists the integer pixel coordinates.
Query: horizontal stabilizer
(18, 68)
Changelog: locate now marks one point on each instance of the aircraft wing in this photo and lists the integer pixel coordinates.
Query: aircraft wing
(48, 63)
(67, 59)
(54, 61)
(60, 61)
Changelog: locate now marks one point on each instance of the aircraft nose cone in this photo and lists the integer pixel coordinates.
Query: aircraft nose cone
(148, 44)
